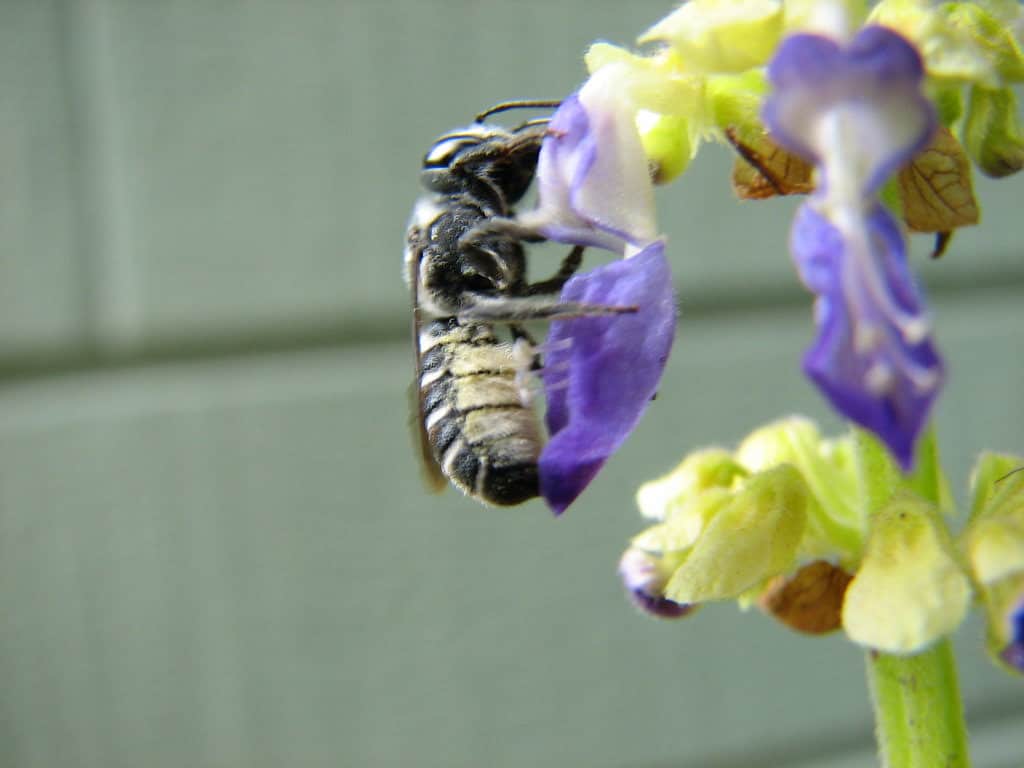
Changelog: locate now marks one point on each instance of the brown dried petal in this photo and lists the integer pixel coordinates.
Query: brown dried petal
(764, 169)
(810, 601)
(936, 187)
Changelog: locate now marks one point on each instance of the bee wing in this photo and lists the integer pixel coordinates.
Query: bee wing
(430, 470)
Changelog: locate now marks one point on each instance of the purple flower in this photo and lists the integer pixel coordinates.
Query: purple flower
(601, 371)
(593, 179)
(859, 114)
(873, 357)
(595, 189)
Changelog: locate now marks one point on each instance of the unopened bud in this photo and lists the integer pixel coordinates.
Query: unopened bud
(698, 472)
(643, 576)
(992, 132)
(667, 144)
(910, 589)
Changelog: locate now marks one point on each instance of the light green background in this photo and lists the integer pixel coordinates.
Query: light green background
(214, 548)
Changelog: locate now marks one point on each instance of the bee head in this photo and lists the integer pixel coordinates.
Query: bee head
(483, 154)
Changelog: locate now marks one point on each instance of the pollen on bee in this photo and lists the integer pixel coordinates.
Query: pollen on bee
(524, 357)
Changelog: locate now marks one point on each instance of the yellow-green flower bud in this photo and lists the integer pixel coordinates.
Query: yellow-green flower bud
(835, 516)
(712, 36)
(688, 516)
(960, 42)
(948, 100)
(667, 104)
(1004, 607)
(667, 143)
(910, 589)
(989, 477)
(991, 34)
(994, 545)
(648, 82)
(734, 101)
(698, 472)
(994, 540)
(751, 538)
(992, 132)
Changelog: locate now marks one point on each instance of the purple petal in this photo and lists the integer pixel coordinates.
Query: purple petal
(660, 606)
(593, 179)
(601, 372)
(863, 101)
(645, 586)
(1013, 653)
(874, 358)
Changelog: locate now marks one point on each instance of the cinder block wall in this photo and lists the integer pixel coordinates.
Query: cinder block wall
(214, 548)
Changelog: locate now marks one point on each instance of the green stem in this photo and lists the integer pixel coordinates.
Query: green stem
(919, 718)
(919, 721)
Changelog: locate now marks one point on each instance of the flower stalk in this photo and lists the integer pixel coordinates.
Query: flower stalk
(919, 721)
(919, 716)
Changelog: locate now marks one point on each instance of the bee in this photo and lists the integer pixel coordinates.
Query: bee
(465, 263)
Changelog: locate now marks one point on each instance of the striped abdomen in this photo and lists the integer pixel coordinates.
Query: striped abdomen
(482, 435)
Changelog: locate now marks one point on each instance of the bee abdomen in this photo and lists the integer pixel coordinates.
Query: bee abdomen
(481, 434)
(485, 473)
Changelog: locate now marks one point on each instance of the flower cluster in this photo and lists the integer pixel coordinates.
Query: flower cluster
(854, 108)
(823, 534)
(876, 117)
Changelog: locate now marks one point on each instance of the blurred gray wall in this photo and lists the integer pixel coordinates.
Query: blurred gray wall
(214, 548)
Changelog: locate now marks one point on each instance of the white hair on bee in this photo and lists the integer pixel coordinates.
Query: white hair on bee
(451, 144)
(524, 357)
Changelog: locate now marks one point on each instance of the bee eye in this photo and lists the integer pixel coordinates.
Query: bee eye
(446, 151)
(477, 282)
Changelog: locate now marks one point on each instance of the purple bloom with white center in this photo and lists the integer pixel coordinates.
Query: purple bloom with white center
(602, 371)
(595, 189)
(857, 112)
(594, 184)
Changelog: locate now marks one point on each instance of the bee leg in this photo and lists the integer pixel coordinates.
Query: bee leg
(515, 309)
(524, 340)
(554, 284)
(499, 225)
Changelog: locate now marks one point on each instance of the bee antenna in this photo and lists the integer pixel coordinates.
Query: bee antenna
(524, 104)
(531, 124)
